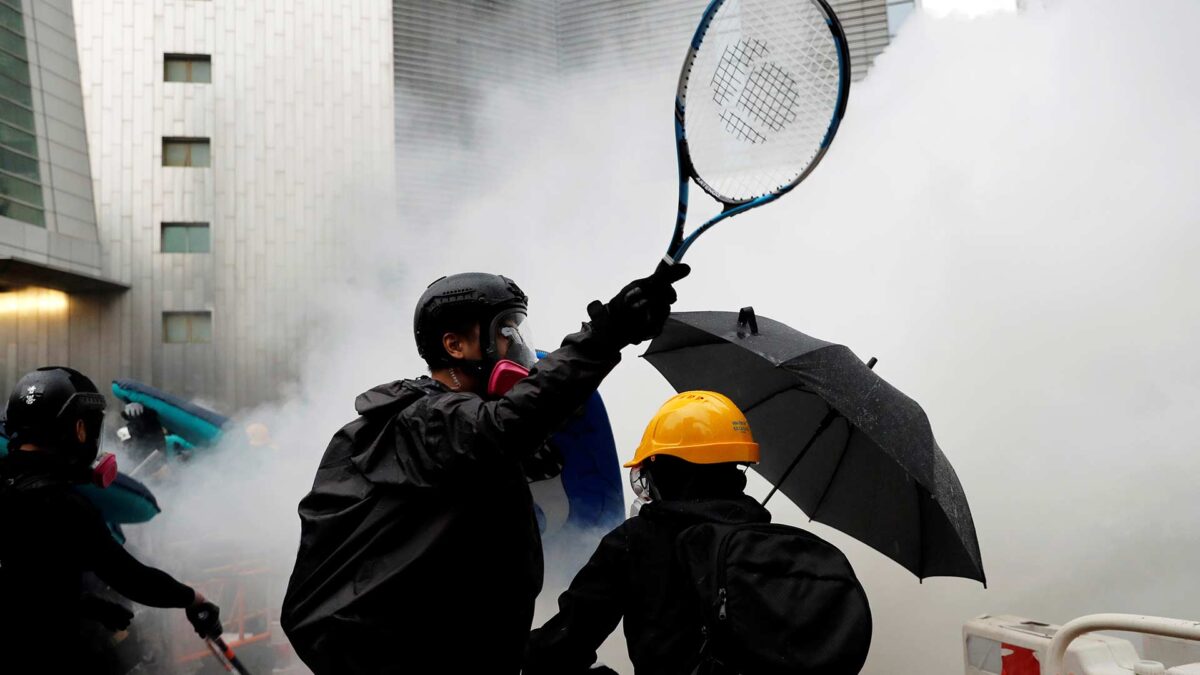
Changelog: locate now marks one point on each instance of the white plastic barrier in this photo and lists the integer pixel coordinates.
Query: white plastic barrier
(1149, 625)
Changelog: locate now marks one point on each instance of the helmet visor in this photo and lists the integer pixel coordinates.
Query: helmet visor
(511, 339)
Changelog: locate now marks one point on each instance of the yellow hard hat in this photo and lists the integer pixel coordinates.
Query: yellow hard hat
(701, 427)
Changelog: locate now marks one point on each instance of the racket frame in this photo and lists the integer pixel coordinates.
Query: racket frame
(679, 243)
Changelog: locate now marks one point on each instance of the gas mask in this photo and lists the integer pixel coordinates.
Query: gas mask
(104, 469)
(101, 467)
(510, 351)
(639, 481)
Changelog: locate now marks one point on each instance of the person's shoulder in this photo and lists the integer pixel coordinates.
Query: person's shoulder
(633, 527)
(439, 402)
(64, 503)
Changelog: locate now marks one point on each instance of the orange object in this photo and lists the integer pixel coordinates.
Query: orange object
(701, 427)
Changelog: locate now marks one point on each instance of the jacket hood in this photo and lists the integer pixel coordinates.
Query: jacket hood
(395, 396)
(734, 511)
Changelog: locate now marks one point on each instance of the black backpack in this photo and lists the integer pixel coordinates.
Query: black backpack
(775, 600)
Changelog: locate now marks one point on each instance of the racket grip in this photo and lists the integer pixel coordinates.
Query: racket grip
(664, 268)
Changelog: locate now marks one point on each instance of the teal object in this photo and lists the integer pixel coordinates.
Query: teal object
(125, 502)
(196, 425)
(177, 444)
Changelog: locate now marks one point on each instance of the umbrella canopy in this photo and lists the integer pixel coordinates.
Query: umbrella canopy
(848, 448)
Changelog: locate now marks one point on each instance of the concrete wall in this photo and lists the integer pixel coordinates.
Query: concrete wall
(299, 113)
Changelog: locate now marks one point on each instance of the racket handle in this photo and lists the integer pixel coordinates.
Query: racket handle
(664, 267)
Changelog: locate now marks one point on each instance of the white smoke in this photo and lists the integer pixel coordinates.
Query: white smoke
(1007, 219)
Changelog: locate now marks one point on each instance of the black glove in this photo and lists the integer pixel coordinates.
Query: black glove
(111, 615)
(639, 311)
(205, 618)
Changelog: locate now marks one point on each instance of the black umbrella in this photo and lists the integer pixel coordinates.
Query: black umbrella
(848, 448)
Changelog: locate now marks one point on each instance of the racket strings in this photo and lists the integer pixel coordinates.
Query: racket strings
(771, 95)
(773, 72)
(732, 70)
(738, 128)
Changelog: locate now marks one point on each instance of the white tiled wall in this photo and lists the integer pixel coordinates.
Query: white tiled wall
(300, 116)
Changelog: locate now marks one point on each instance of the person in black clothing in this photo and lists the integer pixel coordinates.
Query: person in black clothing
(419, 549)
(689, 466)
(51, 536)
(145, 433)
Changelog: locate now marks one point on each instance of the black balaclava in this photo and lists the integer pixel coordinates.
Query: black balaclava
(673, 479)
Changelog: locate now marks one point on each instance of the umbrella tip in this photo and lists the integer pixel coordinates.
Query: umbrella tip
(872, 362)
(747, 319)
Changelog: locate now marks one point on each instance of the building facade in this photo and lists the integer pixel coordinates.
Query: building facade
(53, 290)
(229, 146)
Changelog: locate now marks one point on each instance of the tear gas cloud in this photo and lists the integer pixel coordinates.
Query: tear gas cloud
(1007, 219)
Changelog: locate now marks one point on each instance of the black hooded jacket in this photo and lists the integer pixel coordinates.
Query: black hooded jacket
(419, 547)
(50, 536)
(634, 575)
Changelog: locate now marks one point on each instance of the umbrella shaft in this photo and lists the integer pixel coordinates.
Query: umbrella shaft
(829, 417)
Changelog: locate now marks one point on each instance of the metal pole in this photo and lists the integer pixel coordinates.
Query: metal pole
(139, 467)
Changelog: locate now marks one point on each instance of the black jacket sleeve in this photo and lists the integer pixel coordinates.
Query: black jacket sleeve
(117, 568)
(460, 426)
(588, 611)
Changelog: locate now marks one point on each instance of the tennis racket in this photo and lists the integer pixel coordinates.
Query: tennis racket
(761, 94)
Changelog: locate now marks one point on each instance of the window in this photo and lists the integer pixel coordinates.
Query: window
(186, 238)
(187, 68)
(21, 212)
(16, 91)
(20, 171)
(187, 327)
(10, 18)
(185, 152)
(17, 139)
(16, 68)
(11, 40)
(21, 189)
(16, 115)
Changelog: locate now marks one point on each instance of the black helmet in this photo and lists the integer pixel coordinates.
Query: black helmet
(45, 404)
(451, 303)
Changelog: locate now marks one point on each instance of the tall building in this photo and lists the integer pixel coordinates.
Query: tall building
(229, 142)
(54, 292)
